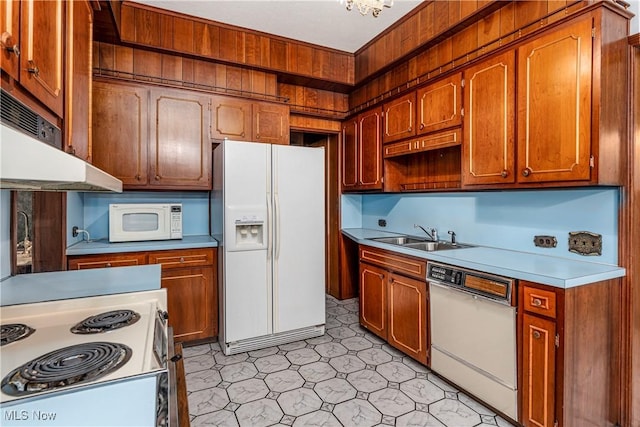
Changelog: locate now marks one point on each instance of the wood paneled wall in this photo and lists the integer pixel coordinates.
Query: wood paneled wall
(511, 21)
(150, 27)
(315, 101)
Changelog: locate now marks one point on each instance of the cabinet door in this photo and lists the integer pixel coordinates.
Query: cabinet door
(408, 314)
(373, 299)
(180, 148)
(231, 118)
(399, 118)
(439, 105)
(86, 262)
(489, 121)
(369, 151)
(192, 302)
(538, 371)
(119, 129)
(349, 155)
(271, 123)
(77, 117)
(554, 105)
(10, 37)
(41, 60)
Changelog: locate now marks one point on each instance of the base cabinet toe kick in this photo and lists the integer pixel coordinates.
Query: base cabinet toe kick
(527, 350)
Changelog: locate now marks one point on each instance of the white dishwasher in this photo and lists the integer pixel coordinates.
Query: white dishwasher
(473, 333)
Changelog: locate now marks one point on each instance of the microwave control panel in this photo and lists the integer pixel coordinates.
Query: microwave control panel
(176, 221)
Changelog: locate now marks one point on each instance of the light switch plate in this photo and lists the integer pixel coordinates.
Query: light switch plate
(585, 243)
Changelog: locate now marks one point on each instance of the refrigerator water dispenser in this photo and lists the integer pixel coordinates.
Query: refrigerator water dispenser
(249, 234)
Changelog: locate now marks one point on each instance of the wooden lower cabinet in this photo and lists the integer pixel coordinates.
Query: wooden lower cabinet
(569, 373)
(189, 275)
(395, 306)
(408, 314)
(373, 299)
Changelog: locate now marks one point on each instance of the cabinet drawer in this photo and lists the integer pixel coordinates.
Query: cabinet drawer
(434, 141)
(182, 259)
(539, 301)
(120, 260)
(405, 265)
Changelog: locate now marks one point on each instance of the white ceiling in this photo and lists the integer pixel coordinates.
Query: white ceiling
(321, 22)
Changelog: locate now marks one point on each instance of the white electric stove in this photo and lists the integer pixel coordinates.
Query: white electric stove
(95, 361)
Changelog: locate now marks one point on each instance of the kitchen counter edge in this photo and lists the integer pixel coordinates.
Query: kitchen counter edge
(547, 270)
(103, 246)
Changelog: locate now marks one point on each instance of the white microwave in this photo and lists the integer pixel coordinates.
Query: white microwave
(145, 221)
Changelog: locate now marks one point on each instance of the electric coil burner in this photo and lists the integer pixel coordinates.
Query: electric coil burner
(14, 332)
(105, 322)
(75, 364)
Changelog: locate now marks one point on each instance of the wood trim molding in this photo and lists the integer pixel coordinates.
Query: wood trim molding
(634, 40)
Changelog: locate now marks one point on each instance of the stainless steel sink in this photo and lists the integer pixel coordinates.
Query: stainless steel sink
(400, 240)
(435, 246)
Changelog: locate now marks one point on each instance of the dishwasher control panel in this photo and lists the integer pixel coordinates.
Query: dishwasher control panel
(485, 284)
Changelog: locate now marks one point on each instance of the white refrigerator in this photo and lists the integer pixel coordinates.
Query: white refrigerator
(268, 212)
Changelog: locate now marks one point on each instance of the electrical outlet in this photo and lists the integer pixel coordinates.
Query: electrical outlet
(585, 243)
(382, 222)
(545, 241)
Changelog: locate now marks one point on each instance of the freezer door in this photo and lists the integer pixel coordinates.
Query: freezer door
(298, 237)
(246, 291)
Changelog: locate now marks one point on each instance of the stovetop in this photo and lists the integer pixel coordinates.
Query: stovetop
(53, 323)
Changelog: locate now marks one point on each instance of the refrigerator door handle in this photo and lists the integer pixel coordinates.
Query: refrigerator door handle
(268, 224)
(276, 231)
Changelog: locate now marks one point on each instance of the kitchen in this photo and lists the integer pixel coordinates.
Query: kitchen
(481, 218)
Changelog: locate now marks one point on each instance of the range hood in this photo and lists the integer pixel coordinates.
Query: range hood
(31, 158)
(29, 164)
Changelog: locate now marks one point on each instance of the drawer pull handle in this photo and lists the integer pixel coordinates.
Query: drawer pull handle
(537, 334)
(181, 260)
(108, 264)
(537, 302)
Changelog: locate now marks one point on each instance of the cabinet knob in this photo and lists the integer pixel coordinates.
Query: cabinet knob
(537, 302)
(421, 126)
(526, 172)
(33, 69)
(7, 42)
(176, 358)
(537, 334)
(409, 130)
(137, 177)
(157, 177)
(108, 264)
(504, 173)
(181, 260)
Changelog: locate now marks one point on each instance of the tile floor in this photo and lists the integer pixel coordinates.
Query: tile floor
(348, 377)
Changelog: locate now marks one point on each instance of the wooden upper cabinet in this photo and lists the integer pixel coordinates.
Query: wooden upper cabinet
(440, 105)
(349, 155)
(370, 150)
(231, 118)
(119, 124)
(399, 118)
(41, 51)
(554, 105)
(246, 120)
(180, 147)
(271, 123)
(489, 122)
(10, 37)
(78, 79)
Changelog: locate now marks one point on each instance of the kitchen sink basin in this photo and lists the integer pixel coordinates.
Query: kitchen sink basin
(435, 246)
(400, 240)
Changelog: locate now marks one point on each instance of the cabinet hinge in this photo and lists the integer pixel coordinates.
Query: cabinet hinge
(592, 162)
(557, 340)
(462, 83)
(462, 112)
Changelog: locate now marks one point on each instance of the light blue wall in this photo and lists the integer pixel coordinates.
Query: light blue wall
(95, 210)
(351, 207)
(5, 234)
(504, 219)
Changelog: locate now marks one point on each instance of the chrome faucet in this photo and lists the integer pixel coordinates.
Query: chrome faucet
(433, 235)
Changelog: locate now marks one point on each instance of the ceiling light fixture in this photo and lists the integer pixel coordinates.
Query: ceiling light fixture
(364, 6)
